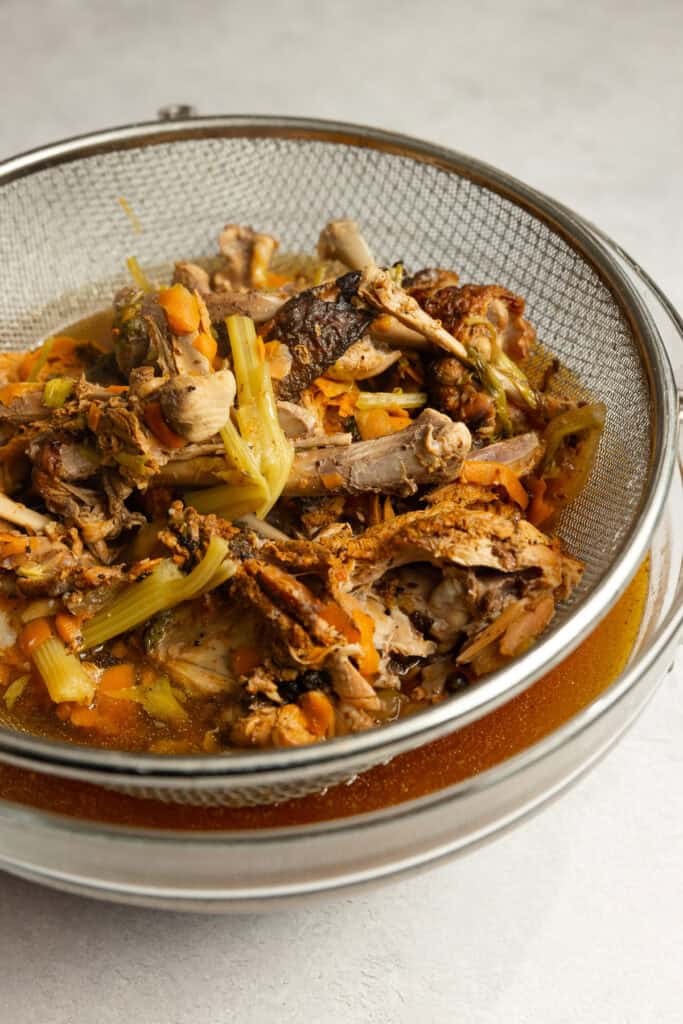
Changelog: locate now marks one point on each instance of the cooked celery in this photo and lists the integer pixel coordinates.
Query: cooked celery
(239, 452)
(62, 673)
(501, 368)
(43, 354)
(513, 380)
(14, 691)
(56, 392)
(138, 463)
(160, 701)
(228, 500)
(573, 421)
(391, 400)
(494, 388)
(164, 588)
(257, 413)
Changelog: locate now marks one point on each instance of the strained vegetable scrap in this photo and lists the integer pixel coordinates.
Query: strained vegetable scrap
(278, 499)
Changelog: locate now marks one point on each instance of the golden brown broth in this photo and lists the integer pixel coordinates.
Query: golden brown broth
(546, 705)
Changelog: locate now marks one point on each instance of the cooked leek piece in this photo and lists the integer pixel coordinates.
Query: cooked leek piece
(160, 701)
(257, 413)
(56, 392)
(513, 380)
(391, 400)
(14, 691)
(62, 673)
(573, 421)
(164, 588)
(501, 368)
(495, 389)
(227, 500)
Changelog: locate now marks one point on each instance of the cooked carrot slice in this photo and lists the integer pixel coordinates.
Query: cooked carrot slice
(34, 633)
(118, 677)
(181, 309)
(154, 419)
(373, 423)
(368, 662)
(274, 280)
(206, 344)
(68, 627)
(86, 718)
(319, 713)
(331, 612)
(489, 474)
(540, 509)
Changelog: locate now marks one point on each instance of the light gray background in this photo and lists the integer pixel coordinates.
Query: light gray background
(577, 916)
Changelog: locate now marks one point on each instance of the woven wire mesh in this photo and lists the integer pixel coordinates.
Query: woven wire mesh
(65, 237)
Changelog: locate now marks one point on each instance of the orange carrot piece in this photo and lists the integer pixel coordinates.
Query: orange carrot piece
(4, 675)
(34, 634)
(331, 612)
(85, 718)
(540, 509)
(69, 627)
(11, 391)
(118, 677)
(488, 474)
(206, 344)
(332, 388)
(319, 712)
(368, 662)
(373, 423)
(333, 481)
(154, 419)
(274, 280)
(181, 309)
(246, 659)
(111, 716)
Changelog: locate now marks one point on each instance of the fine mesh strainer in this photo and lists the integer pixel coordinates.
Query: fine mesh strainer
(64, 239)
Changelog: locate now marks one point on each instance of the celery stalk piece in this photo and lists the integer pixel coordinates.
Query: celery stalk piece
(257, 412)
(163, 589)
(14, 691)
(56, 392)
(62, 673)
(228, 500)
(391, 400)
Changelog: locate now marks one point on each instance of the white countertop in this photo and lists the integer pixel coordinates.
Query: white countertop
(578, 915)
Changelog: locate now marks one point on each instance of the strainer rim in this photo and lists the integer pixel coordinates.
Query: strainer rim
(277, 765)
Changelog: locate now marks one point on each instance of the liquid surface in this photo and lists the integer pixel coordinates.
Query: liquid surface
(526, 719)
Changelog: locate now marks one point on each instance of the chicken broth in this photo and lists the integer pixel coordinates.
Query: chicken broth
(526, 719)
(279, 500)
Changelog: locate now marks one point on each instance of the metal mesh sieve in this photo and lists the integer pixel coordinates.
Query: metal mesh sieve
(64, 239)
